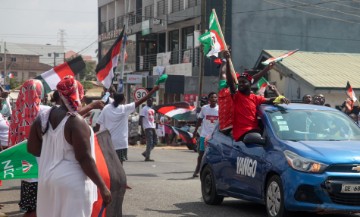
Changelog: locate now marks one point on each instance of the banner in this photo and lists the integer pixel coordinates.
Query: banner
(17, 163)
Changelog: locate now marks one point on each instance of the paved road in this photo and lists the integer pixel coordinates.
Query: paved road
(161, 188)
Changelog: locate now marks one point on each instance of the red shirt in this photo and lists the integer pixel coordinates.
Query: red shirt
(245, 108)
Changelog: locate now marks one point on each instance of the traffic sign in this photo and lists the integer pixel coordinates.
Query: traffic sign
(140, 93)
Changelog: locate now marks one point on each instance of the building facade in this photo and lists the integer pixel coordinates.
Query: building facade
(162, 36)
(19, 63)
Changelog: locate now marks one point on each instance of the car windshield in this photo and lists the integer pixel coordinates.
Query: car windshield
(313, 125)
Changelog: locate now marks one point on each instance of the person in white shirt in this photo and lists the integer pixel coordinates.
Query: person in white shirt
(207, 118)
(114, 117)
(147, 121)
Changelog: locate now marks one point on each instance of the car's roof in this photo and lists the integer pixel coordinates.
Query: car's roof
(295, 106)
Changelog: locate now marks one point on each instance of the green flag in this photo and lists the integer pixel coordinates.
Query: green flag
(213, 40)
(262, 84)
(17, 163)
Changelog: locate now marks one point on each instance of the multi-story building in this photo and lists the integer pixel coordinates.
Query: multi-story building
(162, 35)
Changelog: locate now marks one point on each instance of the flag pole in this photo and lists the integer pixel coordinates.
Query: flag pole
(223, 39)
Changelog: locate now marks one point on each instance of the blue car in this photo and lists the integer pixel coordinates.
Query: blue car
(306, 159)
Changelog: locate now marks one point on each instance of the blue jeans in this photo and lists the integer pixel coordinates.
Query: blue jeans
(151, 141)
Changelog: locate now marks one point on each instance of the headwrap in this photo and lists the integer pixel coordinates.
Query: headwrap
(26, 109)
(71, 92)
(245, 75)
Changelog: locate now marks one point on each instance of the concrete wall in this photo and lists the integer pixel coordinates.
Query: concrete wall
(258, 25)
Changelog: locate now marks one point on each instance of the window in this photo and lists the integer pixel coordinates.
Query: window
(192, 3)
(149, 12)
(111, 24)
(187, 44)
(32, 74)
(27, 59)
(162, 7)
(1, 59)
(174, 46)
(13, 59)
(177, 5)
(49, 54)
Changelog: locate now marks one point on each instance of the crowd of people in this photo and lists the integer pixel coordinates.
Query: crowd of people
(66, 163)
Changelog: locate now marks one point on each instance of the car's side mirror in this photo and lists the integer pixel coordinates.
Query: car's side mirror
(254, 138)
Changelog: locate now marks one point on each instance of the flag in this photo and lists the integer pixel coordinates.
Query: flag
(52, 77)
(105, 68)
(113, 174)
(280, 58)
(178, 111)
(262, 84)
(350, 92)
(17, 163)
(213, 40)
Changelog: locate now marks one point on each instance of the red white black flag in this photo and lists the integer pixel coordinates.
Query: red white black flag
(105, 68)
(350, 92)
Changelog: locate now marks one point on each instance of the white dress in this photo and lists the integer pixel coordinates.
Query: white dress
(63, 190)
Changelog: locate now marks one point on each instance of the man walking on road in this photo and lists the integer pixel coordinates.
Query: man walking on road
(147, 122)
(208, 118)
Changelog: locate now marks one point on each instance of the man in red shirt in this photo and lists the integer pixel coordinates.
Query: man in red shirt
(245, 103)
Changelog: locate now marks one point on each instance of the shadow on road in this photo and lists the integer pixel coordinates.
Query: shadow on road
(11, 188)
(228, 208)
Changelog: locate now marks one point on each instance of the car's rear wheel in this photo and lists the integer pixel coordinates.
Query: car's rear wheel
(275, 198)
(208, 187)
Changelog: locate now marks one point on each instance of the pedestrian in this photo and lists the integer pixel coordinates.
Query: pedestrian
(307, 99)
(147, 122)
(68, 176)
(207, 118)
(245, 103)
(27, 107)
(114, 117)
(4, 130)
(319, 99)
(6, 109)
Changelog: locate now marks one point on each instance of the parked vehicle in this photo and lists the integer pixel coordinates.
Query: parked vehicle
(307, 159)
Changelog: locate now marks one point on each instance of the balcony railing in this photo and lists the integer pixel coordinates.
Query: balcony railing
(147, 62)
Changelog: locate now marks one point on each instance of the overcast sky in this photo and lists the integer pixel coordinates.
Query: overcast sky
(40, 21)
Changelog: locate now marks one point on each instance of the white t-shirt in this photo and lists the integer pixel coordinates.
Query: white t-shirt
(210, 117)
(116, 121)
(4, 131)
(148, 120)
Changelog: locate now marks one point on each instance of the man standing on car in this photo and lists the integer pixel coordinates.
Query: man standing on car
(207, 118)
(147, 122)
(246, 103)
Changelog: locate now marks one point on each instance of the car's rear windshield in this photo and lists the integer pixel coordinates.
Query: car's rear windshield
(313, 125)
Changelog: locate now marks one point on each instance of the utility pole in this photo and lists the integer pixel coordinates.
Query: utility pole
(202, 62)
(54, 59)
(5, 74)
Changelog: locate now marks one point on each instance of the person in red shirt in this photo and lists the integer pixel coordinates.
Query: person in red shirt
(245, 103)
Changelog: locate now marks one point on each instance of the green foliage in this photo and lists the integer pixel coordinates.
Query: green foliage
(87, 85)
(14, 83)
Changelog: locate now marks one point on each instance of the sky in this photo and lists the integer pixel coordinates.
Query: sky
(40, 22)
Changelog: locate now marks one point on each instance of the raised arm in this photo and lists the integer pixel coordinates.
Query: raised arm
(147, 96)
(260, 74)
(229, 78)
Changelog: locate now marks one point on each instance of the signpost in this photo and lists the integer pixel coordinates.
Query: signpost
(140, 93)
